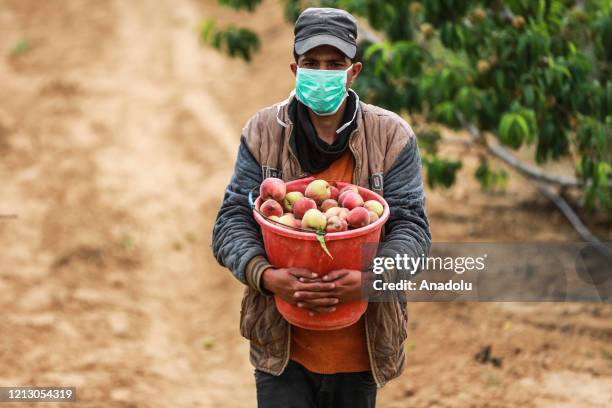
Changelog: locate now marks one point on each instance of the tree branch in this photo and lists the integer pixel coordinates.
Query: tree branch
(573, 218)
(527, 170)
(543, 180)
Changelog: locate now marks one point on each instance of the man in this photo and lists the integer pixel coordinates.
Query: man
(323, 130)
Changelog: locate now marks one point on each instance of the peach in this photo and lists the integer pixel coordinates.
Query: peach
(314, 219)
(343, 213)
(339, 212)
(302, 205)
(350, 187)
(351, 200)
(274, 218)
(341, 196)
(327, 204)
(336, 224)
(318, 190)
(271, 207)
(345, 190)
(273, 188)
(358, 217)
(289, 220)
(290, 199)
(374, 206)
(373, 216)
(333, 192)
(332, 212)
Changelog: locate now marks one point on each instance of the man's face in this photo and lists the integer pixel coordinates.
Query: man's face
(327, 57)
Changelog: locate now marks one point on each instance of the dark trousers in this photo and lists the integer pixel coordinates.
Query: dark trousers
(297, 387)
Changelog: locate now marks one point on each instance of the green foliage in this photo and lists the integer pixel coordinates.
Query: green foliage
(531, 72)
(236, 41)
(490, 180)
(594, 143)
(428, 140)
(440, 171)
(517, 126)
(241, 4)
(22, 47)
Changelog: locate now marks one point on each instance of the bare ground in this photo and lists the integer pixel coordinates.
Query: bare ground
(118, 131)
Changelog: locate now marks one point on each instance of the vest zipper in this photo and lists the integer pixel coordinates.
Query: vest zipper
(357, 158)
(356, 181)
(295, 159)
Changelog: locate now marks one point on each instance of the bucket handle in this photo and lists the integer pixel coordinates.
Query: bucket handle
(251, 201)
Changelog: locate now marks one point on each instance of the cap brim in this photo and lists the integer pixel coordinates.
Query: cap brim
(303, 46)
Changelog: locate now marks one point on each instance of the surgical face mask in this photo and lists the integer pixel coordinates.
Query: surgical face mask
(322, 90)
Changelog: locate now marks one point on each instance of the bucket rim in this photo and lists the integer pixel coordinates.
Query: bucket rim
(329, 236)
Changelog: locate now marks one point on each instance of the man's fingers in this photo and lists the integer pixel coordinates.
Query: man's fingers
(313, 310)
(310, 303)
(292, 300)
(302, 273)
(315, 287)
(312, 295)
(308, 280)
(337, 274)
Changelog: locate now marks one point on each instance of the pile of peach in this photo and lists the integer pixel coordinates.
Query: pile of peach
(321, 207)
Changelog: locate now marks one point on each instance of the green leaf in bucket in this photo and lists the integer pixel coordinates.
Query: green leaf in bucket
(321, 239)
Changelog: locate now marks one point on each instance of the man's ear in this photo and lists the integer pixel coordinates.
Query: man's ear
(294, 68)
(354, 73)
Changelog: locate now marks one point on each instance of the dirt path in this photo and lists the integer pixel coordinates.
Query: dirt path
(169, 126)
(117, 133)
(161, 128)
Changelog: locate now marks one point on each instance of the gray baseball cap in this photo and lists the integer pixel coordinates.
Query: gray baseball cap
(326, 26)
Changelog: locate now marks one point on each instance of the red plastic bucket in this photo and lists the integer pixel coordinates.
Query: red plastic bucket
(290, 248)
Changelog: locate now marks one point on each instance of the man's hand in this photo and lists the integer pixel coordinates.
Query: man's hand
(348, 284)
(301, 287)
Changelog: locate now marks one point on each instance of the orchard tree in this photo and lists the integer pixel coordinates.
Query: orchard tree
(512, 73)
